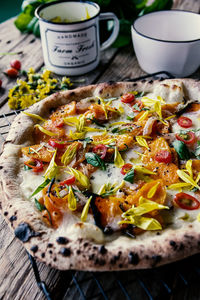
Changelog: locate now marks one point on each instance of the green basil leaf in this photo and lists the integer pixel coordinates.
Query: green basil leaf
(26, 168)
(40, 187)
(94, 160)
(129, 176)
(39, 206)
(181, 149)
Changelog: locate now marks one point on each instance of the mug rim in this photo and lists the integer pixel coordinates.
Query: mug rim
(165, 41)
(44, 5)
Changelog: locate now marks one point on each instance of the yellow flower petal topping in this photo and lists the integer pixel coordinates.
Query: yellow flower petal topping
(85, 210)
(52, 169)
(34, 116)
(118, 160)
(69, 154)
(142, 141)
(71, 200)
(45, 131)
(84, 180)
(134, 215)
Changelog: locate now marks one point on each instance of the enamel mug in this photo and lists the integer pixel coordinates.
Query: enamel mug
(70, 35)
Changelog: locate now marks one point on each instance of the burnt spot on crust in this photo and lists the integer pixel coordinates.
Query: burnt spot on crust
(1, 167)
(65, 251)
(43, 255)
(133, 258)
(150, 81)
(24, 232)
(13, 218)
(91, 257)
(100, 262)
(5, 213)
(62, 240)
(50, 252)
(156, 259)
(71, 94)
(78, 252)
(49, 245)
(115, 258)
(175, 246)
(34, 248)
(85, 244)
(103, 250)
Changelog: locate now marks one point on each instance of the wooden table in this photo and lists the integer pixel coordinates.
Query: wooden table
(17, 279)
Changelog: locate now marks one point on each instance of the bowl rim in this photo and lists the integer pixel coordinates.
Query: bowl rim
(165, 41)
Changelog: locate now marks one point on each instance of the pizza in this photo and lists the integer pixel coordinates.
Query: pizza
(106, 176)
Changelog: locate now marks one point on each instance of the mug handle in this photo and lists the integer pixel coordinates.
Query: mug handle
(114, 34)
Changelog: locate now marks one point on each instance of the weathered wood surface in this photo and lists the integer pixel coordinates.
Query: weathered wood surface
(16, 275)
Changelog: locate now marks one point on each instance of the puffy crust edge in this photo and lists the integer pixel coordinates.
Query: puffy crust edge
(80, 254)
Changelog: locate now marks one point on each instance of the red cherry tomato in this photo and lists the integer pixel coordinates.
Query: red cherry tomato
(35, 164)
(184, 122)
(126, 168)
(186, 201)
(0, 83)
(56, 144)
(187, 138)
(163, 156)
(68, 181)
(100, 150)
(13, 73)
(16, 64)
(139, 104)
(128, 98)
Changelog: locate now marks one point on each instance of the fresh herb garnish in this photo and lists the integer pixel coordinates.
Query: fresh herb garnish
(50, 186)
(39, 206)
(139, 95)
(94, 160)
(40, 187)
(197, 151)
(129, 176)
(181, 149)
(94, 120)
(136, 107)
(130, 117)
(26, 168)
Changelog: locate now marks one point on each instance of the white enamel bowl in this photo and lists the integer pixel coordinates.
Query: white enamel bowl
(168, 41)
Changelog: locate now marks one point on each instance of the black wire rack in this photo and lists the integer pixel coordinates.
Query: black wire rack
(150, 284)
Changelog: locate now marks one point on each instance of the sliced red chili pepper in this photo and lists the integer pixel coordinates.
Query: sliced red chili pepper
(59, 123)
(138, 105)
(35, 164)
(100, 150)
(187, 138)
(186, 201)
(184, 122)
(70, 180)
(56, 144)
(128, 98)
(163, 156)
(126, 168)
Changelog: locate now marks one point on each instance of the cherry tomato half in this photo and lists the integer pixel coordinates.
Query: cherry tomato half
(128, 98)
(13, 73)
(16, 64)
(126, 168)
(163, 156)
(70, 180)
(56, 144)
(187, 138)
(186, 201)
(36, 165)
(138, 104)
(100, 150)
(184, 122)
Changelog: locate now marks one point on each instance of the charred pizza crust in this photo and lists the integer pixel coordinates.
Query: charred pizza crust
(67, 252)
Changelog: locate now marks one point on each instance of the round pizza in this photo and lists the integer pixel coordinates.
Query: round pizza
(107, 176)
